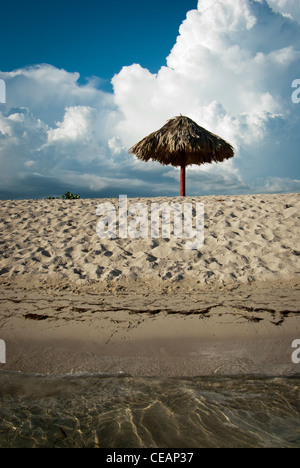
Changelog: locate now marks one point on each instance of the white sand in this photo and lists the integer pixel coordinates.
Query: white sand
(247, 238)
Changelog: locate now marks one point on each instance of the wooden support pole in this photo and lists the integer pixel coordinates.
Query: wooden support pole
(182, 181)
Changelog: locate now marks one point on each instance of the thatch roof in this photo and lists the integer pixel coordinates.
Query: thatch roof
(182, 141)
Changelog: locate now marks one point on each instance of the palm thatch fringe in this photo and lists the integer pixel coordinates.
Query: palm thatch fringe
(182, 142)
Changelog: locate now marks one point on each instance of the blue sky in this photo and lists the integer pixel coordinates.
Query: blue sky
(92, 37)
(86, 80)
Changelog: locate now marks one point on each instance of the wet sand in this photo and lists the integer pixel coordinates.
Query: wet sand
(244, 330)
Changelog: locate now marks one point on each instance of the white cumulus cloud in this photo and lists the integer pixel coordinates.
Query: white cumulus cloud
(217, 72)
(77, 125)
(289, 8)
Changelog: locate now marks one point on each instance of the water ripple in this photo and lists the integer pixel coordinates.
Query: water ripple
(129, 412)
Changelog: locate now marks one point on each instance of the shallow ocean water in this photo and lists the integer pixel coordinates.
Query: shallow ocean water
(121, 411)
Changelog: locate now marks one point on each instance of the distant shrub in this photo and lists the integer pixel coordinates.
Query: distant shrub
(66, 196)
(70, 196)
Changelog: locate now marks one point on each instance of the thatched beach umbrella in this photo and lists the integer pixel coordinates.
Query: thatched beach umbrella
(181, 142)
